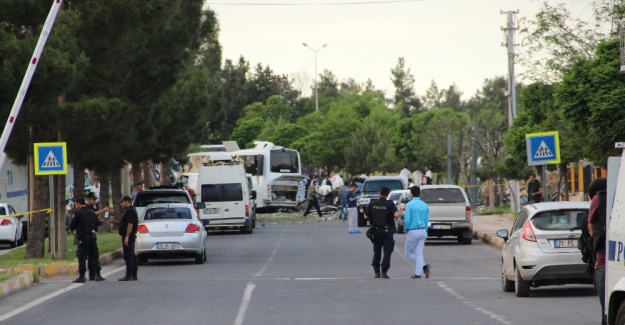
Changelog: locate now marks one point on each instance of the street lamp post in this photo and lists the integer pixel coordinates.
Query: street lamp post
(316, 75)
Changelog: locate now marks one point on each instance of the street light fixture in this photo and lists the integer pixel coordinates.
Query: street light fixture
(316, 75)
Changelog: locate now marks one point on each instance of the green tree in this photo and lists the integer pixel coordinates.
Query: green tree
(405, 99)
(248, 131)
(287, 134)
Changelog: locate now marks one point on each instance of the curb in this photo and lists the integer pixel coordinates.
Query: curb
(26, 278)
(17, 283)
(489, 239)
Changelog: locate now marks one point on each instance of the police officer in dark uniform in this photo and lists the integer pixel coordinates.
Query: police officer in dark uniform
(92, 200)
(85, 223)
(382, 213)
(128, 230)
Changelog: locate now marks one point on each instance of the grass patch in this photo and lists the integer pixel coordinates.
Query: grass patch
(292, 217)
(488, 211)
(7, 275)
(107, 242)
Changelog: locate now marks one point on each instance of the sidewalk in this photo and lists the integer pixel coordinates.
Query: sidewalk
(485, 228)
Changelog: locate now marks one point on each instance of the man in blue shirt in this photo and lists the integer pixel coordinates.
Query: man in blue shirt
(343, 197)
(352, 209)
(416, 220)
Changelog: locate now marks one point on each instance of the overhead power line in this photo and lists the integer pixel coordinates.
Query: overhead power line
(310, 3)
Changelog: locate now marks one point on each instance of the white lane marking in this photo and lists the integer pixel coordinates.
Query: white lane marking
(247, 296)
(273, 254)
(500, 318)
(113, 271)
(47, 297)
(39, 301)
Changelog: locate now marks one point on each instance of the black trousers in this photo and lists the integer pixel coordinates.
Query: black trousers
(312, 203)
(129, 254)
(88, 250)
(383, 239)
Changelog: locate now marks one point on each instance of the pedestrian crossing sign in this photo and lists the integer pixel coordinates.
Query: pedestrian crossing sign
(50, 158)
(543, 148)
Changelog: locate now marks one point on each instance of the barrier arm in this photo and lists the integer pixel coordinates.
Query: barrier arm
(30, 71)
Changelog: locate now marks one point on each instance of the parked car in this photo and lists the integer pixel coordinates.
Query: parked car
(162, 194)
(396, 196)
(170, 230)
(541, 248)
(371, 192)
(450, 212)
(12, 229)
(404, 198)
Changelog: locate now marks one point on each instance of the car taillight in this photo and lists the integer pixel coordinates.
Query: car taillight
(6, 222)
(247, 210)
(528, 233)
(467, 212)
(142, 229)
(192, 228)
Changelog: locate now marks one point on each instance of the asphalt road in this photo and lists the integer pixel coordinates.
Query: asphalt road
(303, 274)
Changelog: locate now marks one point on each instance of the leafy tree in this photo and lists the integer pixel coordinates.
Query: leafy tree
(592, 97)
(328, 85)
(247, 131)
(405, 99)
(273, 110)
(287, 134)
(434, 97)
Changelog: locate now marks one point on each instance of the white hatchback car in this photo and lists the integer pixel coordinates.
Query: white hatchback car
(397, 196)
(170, 230)
(12, 229)
(541, 248)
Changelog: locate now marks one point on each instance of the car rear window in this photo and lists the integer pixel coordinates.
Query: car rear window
(442, 195)
(167, 214)
(559, 219)
(222, 192)
(375, 186)
(146, 198)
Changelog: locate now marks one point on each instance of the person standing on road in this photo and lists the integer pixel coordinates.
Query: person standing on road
(128, 229)
(92, 200)
(343, 191)
(312, 199)
(352, 212)
(596, 228)
(416, 219)
(534, 189)
(382, 213)
(85, 222)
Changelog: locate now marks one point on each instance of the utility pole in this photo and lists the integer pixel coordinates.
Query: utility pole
(510, 31)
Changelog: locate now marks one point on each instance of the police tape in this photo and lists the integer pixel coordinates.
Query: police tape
(46, 210)
(483, 185)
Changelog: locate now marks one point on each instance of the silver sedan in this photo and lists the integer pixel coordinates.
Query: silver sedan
(170, 230)
(541, 248)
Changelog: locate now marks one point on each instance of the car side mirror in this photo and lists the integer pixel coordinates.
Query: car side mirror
(503, 233)
(200, 205)
(253, 195)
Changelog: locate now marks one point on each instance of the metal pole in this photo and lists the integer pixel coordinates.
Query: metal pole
(52, 219)
(449, 159)
(474, 182)
(316, 74)
(30, 71)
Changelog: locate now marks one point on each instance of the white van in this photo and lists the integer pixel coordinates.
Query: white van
(224, 196)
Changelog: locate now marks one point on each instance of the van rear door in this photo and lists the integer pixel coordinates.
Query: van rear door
(233, 204)
(286, 188)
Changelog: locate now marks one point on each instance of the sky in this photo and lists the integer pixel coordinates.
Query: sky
(448, 41)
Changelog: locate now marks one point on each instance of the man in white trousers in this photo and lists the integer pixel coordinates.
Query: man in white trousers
(416, 219)
(352, 203)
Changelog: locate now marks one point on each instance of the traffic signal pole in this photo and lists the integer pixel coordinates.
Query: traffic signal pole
(30, 71)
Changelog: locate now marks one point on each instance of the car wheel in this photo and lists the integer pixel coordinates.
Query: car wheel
(620, 315)
(200, 258)
(506, 285)
(243, 229)
(521, 287)
(13, 243)
(204, 254)
(141, 259)
(20, 241)
(467, 240)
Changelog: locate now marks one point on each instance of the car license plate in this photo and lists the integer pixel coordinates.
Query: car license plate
(435, 226)
(211, 211)
(565, 243)
(167, 246)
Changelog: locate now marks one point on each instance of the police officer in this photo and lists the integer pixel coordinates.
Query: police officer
(92, 200)
(382, 213)
(85, 223)
(128, 230)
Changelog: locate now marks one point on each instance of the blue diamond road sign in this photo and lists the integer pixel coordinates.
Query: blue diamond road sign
(50, 158)
(543, 148)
